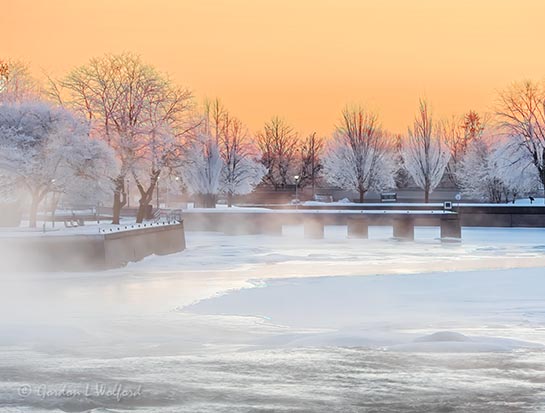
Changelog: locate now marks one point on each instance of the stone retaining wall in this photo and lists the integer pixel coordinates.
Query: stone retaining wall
(89, 252)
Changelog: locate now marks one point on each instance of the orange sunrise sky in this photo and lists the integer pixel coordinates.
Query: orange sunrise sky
(300, 59)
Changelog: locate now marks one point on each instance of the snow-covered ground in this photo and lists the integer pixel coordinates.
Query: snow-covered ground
(347, 202)
(259, 323)
(90, 228)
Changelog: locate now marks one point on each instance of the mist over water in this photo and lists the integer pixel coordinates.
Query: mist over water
(317, 379)
(257, 323)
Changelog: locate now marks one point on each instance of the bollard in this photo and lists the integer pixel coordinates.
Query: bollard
(451, 227)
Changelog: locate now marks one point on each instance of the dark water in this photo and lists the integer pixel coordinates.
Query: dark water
(301, 380)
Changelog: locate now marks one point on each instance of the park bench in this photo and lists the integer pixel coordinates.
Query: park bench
(388, 197)
(323, 198)
(70, 224)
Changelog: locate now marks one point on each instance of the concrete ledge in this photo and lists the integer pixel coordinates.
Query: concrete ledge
(130, 246)
(89, 252)
(499, 215)
(248, 222)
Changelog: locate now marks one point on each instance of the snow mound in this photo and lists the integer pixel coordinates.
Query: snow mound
(442, 336)
(453, 342)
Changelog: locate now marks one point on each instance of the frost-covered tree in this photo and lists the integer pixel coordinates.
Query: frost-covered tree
(401, 176)
(490, 171)
(239, 165)
(515, 168)
(424, 153)
(168, 127)
(242, 170)
(16, 82)
(358, 157)
(310, 157)
(478, 175)
(458, 133)
(201, 163)
(201, 169)
(521, 112)
(135, 109)
(45, 150)
(278, 145)
(4, 74)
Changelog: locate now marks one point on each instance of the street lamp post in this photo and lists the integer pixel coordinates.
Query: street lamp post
(157, 192)
(296, 177)
(177, 180)
(128, 195)
(98, 212)
(53, 206)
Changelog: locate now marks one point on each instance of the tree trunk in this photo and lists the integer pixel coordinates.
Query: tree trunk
(362, 196)
(146, 196)
(54, 203)
(208, 200)
(143, 206)
(211, 201)
(229, 200)
(116, 209)
(427, 192)
(142, 209)
(120, 199)
(542, 178)
(33, 211)
(53, 218)
(141, 213)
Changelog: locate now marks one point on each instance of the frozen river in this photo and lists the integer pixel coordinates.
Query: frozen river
(255, 323)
